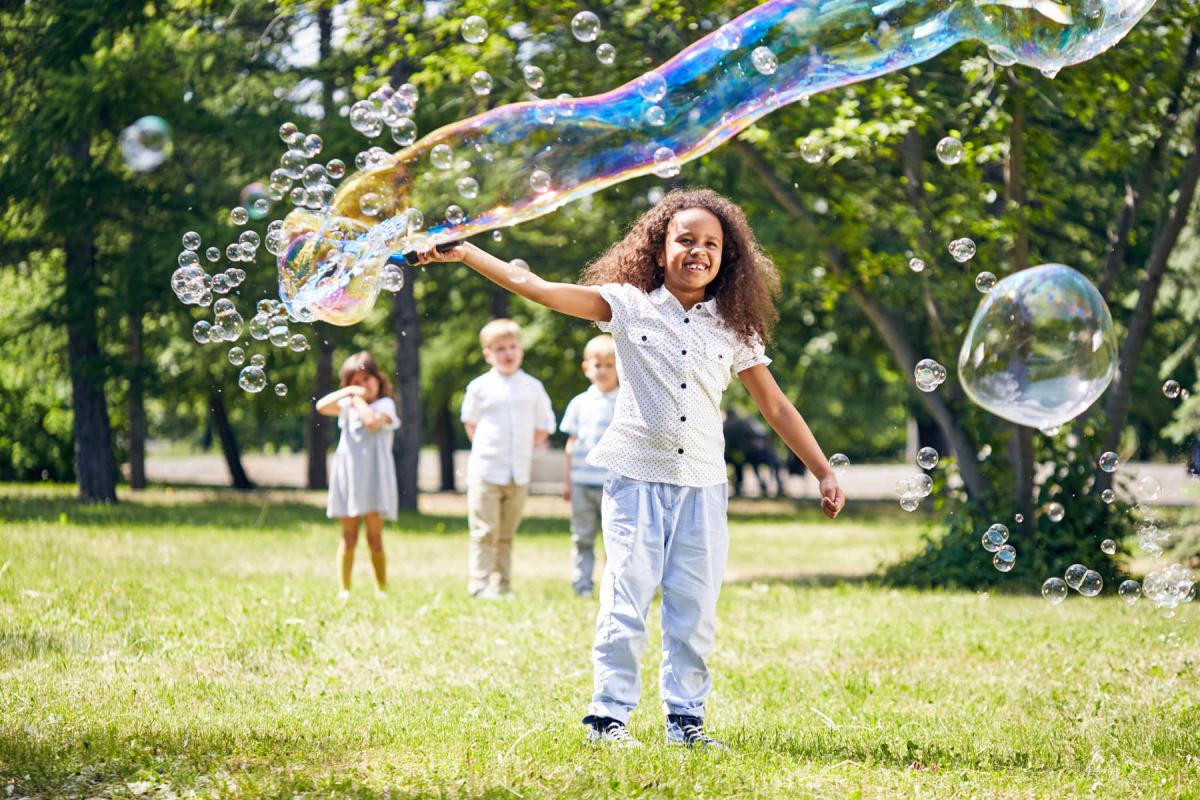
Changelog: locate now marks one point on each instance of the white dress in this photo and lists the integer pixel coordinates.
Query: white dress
(363, 478)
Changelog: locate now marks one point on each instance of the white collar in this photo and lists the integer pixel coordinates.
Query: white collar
(661, 294)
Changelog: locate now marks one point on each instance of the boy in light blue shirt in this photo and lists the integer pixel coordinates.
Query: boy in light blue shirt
(585, 421)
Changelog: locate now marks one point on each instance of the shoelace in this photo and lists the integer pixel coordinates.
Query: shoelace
(617, 732)
(693, 734)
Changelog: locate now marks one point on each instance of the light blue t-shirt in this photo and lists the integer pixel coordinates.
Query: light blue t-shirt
(587, 417)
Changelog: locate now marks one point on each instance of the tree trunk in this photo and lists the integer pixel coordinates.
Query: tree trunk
(406, 448)
(137, 404)
(499, 304)
(95, 465)
(1117, 406)
(1021, 453)
(316, 443)
(229, 445)
(443, 432)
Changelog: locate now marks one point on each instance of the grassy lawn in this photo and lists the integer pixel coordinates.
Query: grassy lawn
(190, 643)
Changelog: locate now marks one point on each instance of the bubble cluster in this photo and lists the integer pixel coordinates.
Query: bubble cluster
(994, 537)
(1005, 558)
(929, 374)
(1040, 348)
(962, 250)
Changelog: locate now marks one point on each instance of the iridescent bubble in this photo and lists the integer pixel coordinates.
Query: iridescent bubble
(220, 284)
(928, 374)
(239, 215)
(1108, 496)
(297, 343)
(260, 208)
(474, 29)
(535, 78)
(312, 145)
(1109, 461)
(191, 240)
(481, 83)
(441, 156)
(213, 254)
(1074, 575)
(585, 26)
(652, 87)
(146, 143)
(281, 389)
(812, 150)
(1108, 547)
(518, 271)
(287, 130)
(223, 307)
(468, 187)
(916, 265)
(1129, 591)
(391, 278)
(949, 150)
(927, 458)
(258, 360)
(728, 38)
(995, 537)
(1171, 389)
(292, 163)
(962, 250)
(1054, 590)
(237, 356)
(539, 181)
(656, 116)
(336, 168)
(764, 60)
(252, 379)
(455, 214)
(187, 258)
(1090, 584)
(985, 282)
(250, 237)
(1148, 489)
(838, 462)
(1055, 512)
(404, 133)
(1005, 558)
(1040, 349)
(201, 331)
(606, 54)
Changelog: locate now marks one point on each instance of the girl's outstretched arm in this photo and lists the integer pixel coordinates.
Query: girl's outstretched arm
(584, 302)
(781, 415)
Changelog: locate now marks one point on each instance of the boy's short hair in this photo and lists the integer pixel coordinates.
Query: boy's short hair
(499, 329)
(599, 347)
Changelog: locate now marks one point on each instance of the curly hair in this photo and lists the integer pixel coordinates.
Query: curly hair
(746, 285)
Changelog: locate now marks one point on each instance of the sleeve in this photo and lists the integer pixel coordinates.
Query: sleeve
(386, 405)
(617, 295)
(545, 416)
(746, 356)
(471, 409)
(570, 420)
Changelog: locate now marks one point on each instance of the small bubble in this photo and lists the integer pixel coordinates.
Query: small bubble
(664, 163)
(281, 389)
(237, 356)
(927, 458)
(1108, 547)
(474, 29)
(838, 462)
(468, 187)
(1090, 584)
(585, 26)
(535, 78)
(1005, 558)
(1074, 575)
(652, 87)
(1055, 512)
(1129, 591)
(258, 360)
(252, 379)
(213, 254)
(764, 60)
(813, 151)
(985, 282)
(201, 331)
(146, 143)
(518, 271)
(929, 374)
(442, 156)
(1054, 590)
(540, 181)
(481, 83)
(728, 38)
(455, 215)
(949, 150)
(1171, 389)
(336, 168)
(606, 54)
(1108, 496)
(1109, 461)
(916, 265)
(191, 240)
(239, 215)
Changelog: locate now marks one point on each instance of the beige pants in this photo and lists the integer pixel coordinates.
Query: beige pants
(493, 514)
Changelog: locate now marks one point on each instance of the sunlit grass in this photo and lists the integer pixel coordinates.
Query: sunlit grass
(191, 642)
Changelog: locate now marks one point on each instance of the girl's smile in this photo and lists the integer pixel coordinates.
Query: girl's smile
(692, 253)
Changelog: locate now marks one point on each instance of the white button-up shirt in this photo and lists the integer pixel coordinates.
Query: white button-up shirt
(673, 365)
(505, 410)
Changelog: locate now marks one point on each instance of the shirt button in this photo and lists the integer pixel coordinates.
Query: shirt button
(683, 386)
(681, 451)
(685, 319)
(685, 352)
(683, 419)
(643, 338)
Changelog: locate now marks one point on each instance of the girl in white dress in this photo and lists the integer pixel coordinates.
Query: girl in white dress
(362, 485)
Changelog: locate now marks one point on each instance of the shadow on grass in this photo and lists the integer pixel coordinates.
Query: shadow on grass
(16, 645)
(813, 580)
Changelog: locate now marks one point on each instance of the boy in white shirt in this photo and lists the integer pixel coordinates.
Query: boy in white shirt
(506, 413)
(586, 418)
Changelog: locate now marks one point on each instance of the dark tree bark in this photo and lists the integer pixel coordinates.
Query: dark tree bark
(95, 465)
(443, 433)
(406, 448)
(499, 302)
(316, 441)
(229, 445)
(137, 404)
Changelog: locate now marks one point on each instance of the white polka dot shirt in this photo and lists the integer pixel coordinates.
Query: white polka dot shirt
(673, 365)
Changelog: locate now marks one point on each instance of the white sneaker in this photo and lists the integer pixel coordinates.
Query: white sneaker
(606, 730)
(487, 593)
(343, 595)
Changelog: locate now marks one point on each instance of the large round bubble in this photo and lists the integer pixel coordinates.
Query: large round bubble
(1040, 349)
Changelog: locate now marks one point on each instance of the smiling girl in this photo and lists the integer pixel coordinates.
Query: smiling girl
(688, 298)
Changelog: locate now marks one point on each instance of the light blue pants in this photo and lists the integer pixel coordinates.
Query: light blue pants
(676, 537)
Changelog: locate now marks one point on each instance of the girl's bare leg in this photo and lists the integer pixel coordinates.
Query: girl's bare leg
(375, 542)
(346, 550)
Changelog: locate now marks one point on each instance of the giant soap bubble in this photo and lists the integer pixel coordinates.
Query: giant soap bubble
(1041, 347)
(329, 263)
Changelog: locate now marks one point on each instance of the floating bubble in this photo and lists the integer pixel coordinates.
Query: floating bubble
(664, 163)
(312, 145)
(764, 60)
(1090, 584)
(916, 265)
(995, 537)
(585, 26)
(468, 187)
(812, 150)
(441, 156)
(404, 133)
(239, 215)
(372, 204)
(281, 390)
(213, 254)
(146, 143)
(336, 168)
(455, 214)
(391, 278)
(474, 29)
(838, 462)
(539, 181)
(191, 240)
(922, 485)
(949, 150)
(1108, 496)
(1109, 461)
(292, 163)
(1171, 389)
(252, 379)
(260, 208)
(962, 250)
(535, 78)
(652, 87)
(297, 343)
(985, 282)
(910, 501)
(1129, 591)
(187, 258)
(1055, 512)
(927, 458)
(1040, 349)
(481, 83)
(928, 374)
(1054, 590)
(606, 54)
(260, 326)
(258, 360)
(518, 271)
(237, 356)
(365, 119)
(728, 38)
(288, 130)
(1005, 558)
(1074, 575)
(202, 331)
(1108, 547)
(656, 116)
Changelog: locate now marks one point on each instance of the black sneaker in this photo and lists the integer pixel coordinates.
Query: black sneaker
(607, 730)
(689, 731)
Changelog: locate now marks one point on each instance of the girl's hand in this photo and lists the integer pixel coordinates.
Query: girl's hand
(832, 499)
(433, 254)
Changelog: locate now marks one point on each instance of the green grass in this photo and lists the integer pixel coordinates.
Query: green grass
(190, 642)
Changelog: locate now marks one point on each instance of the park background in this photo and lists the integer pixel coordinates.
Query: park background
(837, 639)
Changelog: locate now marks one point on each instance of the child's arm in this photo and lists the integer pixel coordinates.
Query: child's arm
(781, 415)
(567, 474)
(470, 426)
(329, 404)
(585, 302)
(372, 419)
